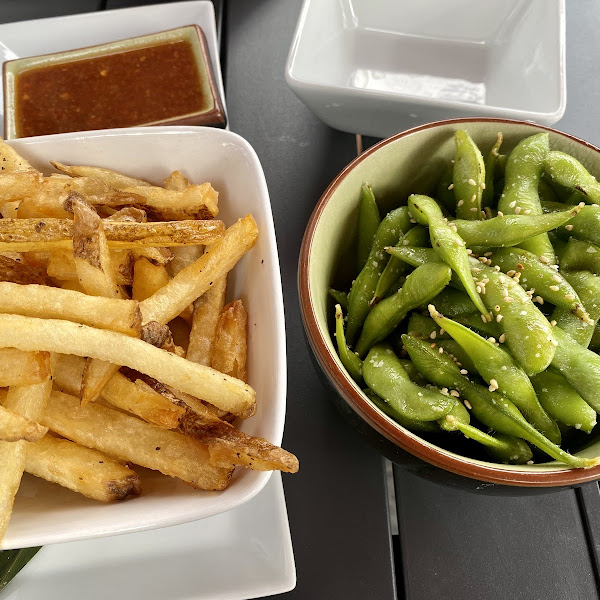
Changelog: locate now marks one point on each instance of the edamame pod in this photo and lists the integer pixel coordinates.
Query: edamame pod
(584, 226)
(340, 298)
(384, 375)
(544, 280)
(524, 169)
(528, 334)
(568, 172)
(562, 402)
(425, 327)
(487, 198)
(581, 256)
(424, 282)
(410, 424)
(446, 242)
(417, 236)
(351, 362)
(368, 222)
(579, 366)
(468, 177)
(512, 230)
(587, 286)
(498, 368)
(444, 191)
(395, 223)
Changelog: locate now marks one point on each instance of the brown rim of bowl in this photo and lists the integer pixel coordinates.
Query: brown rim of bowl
(367, 411)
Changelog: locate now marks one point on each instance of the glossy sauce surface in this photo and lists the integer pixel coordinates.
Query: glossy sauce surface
(135, 87)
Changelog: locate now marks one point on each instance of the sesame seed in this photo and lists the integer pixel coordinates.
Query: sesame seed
(412, 220)
(512, 204)
(471, 182)
(500, 213)
(445, 391)
(539, 300)
(499, 318)
(502, 338)
(487, 254)
(464, 372)
(451, 186)
(544, 260)
(441, 350)
(496, 268)
(491, 340)
(517, 210)
(504, 292)
(510, 273)
(469, 251)
(527, 211)
(482, 185)
(442, 331)
(478, 288)
(433, 335)
(523, 313)
(460, 203)
(569, 227)
(554, 288)
(569, 297)
(556, 278)
(508, 299)
(433, 345)
(468, 404)
(554, 342)
(484, 318)
(474, 209)
(473, 198)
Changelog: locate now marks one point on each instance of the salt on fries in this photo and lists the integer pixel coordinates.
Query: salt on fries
(106, 283)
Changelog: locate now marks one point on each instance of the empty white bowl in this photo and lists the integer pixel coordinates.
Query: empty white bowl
(378, 67)
(45, 513)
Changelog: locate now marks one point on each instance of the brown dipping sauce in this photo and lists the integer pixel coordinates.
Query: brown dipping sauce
(136, 87)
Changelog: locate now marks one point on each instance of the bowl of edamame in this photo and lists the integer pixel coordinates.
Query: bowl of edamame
(450, 290)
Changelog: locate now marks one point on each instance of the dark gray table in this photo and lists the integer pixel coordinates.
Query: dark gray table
(450, 544)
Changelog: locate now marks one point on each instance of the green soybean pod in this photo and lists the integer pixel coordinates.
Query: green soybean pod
(584, 226)
(446, 242)
(512, 230)
(410, 424)
(368, 222)
(579, 366)
(417, 236)
(394, 224)
(468, 177)
(524, 170)
(548, 284)
(562, 402)
(581, 256)
(424, 282)
(340, 298)
(498, 368)
(487, 197)
(385, 376)
(425, 327)
(351, 362)
(444, 192)
(568, 172)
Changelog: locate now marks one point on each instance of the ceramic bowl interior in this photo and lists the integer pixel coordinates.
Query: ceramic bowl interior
(409, 163)
(45, 513)
(212, 112)
(379, 67)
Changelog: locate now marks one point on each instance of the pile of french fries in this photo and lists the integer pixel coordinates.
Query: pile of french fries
(116, 346)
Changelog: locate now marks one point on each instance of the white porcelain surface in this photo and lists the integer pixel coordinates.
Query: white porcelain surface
(45, 513)
(377, 67)
(244, 553)
(56, 34)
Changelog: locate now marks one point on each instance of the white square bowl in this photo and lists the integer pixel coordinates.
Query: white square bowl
(377, 67)
(45, 513)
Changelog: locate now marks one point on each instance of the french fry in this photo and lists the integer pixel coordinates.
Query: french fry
(11, 160)
(147, 279)
(175, 181)
(227, 445)
(23, 235)
(66, 337)
(183, 256)
(207, 310)
(130, 439)
(180, 331)
(81, 469)
(9, 210)
(61, 265)
(129, 213)
(20, 272)
(45, 196)
(14, 427)
(90, 251)
(201, 275)
(122, 266)
(132, 397)
(114, 179)
(19, 368)
(230, 346)
(29, 401)
(57, 303)
(193, 202)
(157, 256)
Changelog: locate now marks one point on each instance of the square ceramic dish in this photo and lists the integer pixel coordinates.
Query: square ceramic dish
(95, 80)
(380, 67)
(45, 513)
